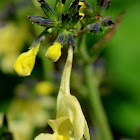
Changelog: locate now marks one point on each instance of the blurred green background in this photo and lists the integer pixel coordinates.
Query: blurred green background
(120, 65)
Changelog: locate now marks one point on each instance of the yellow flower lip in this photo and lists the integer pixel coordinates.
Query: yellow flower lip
(25, 62)
(54, 52)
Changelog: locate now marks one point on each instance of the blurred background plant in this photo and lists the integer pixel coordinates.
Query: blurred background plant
(117, 72)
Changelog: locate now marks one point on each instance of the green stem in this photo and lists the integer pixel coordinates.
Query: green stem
(96, 104)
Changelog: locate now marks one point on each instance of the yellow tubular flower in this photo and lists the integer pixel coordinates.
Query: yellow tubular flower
(54, 52)
(70, 123)
(25, 62)
(83, 6)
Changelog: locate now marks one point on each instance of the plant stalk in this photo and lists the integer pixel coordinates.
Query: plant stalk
(96, 104)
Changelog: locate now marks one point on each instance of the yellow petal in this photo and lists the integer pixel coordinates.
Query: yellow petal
(54, 136)
(70, 107)
(62, 126)
(83, 6)
(56, 123)
(54, 52)
(25, 62)
(46, 137)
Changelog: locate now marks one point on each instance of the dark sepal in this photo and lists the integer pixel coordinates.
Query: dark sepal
(104, 4)
(74, 8)
(35, 18)
(42, 21)
(87, 4)
(61, 38)
(107, 22)
(40, 38)
(71, 41)
(65, 20)
(94, 27)
(50, 13)
(5, 134)
(75, 19)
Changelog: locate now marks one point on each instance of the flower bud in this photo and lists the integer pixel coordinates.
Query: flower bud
(54, 52)
(25, 62)
(81, 10)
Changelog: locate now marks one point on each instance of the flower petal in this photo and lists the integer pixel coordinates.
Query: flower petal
(56, 123)
(69, 106)
(46, 137)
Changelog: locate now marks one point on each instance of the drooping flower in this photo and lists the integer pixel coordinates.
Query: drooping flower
(54, 52)
(70, 123)
(25, 62)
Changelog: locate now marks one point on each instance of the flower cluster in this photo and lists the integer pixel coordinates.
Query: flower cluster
(54, 21)
(93, 17)
(65, 24)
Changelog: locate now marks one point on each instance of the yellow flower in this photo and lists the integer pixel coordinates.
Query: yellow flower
(54, 52)
(81, 10)
(44, 88)
(70, 123)
(25, 62)
(70, 120)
